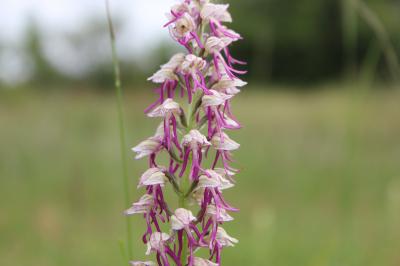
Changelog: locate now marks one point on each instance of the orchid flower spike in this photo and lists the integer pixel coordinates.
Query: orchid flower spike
(205, 79)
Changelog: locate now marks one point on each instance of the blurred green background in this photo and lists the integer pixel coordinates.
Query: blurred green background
(320, 155)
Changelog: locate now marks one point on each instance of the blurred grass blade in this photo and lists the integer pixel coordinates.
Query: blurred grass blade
(378, 28)
(349, 30)
(118, 91)
(370, 64)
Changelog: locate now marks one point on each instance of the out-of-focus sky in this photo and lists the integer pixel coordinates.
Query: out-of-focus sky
(140, 29)
(144, 18)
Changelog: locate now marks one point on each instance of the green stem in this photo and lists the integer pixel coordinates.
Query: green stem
(182, 204)
(185, 185)
(118, 92)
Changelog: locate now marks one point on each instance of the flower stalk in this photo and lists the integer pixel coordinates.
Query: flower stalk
(206, 79)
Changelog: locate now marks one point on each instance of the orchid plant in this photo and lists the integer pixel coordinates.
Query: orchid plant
(204, 80)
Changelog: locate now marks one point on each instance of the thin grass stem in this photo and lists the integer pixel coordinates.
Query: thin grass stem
(119, 98)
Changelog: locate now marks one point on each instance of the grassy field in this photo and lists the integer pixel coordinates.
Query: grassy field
(320, 180)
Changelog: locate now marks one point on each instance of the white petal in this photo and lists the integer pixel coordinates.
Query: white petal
(169, 106)
(230, 122)
(206, 182)
(146, 147)
(215, 44)
(223, 216)
(192, 64)
(153, 176)
(228, 83)
(167, 71)
(157, 242)
(224, 239)
(142, 206)
(184, 26)
(195, 138)
(216, 12)
(225, 144)
(220, 178)
(163, 75)
(181, 219)
(215, 99)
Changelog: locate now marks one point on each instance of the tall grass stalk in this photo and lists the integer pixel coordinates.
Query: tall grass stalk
(118, 91)
(350, 30)
(370, 17)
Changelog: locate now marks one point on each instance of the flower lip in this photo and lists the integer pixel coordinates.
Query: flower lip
(153, 176)
(181, 219)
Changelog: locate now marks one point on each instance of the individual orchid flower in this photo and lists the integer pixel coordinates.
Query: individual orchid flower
(169, 110)
(159, 244)
(214, 46)
(214, 105)
(193, 143)
(184, 26)
(151, 146)
(168, 78)
(224, 145)
(221, 240)
(207, 80)
(191, 70)
(152, 206)
(182, 222)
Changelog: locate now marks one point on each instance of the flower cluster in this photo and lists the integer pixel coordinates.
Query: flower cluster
(203, 80)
